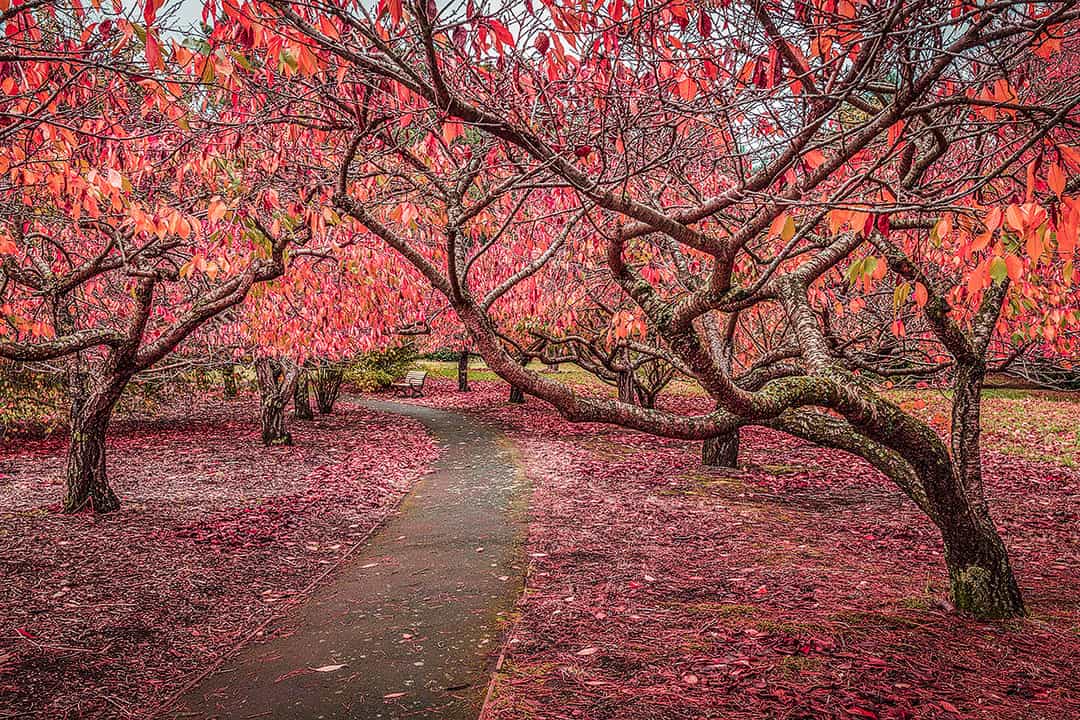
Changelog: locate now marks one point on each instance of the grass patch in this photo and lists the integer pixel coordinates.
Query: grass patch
(784, 469)
(790, 628)
(792, 666)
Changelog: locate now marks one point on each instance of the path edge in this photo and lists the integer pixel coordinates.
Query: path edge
(283, 610)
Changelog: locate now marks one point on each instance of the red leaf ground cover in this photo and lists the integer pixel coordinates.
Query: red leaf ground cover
(803, 586)
(104, 616)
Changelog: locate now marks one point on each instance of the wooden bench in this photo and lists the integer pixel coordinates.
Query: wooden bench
(412, 384)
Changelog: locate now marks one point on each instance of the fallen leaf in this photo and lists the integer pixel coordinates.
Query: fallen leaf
(328, 668)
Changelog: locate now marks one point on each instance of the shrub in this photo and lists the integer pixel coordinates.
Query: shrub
(32, 402)
(376, 370)
(442, 355)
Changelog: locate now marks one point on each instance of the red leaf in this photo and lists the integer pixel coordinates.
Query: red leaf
(150, 9)
(868, 226)
(704, 24)
(859, 712)
(1055, 178)
(882, 225)
(502, 34)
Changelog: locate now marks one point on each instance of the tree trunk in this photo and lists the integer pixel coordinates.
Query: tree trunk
(272, 418)
(301, 399)
(327, 386)
(275, 386)
(229, 374)
(624, 381)
(517, 395)
(722, 451)
(981, 580)
(86, 484)
(463, 371)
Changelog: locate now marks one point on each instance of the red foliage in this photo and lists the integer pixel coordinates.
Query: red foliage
(101, 614)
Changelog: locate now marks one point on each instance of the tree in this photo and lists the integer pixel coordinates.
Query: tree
(301, 398)
(277, 381)
(789, 161)
(117, 243)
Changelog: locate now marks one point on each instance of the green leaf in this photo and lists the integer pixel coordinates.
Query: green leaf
(900, 295)
(998, 269)
(854, 271)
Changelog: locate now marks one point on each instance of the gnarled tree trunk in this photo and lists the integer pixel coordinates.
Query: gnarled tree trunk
(86, 484)
(301, 398)
(627, 390)
(327, 381)
(981, 580)
(517, 395)
(721, 451)
(463, 371)
(647, 397)
(275, 387)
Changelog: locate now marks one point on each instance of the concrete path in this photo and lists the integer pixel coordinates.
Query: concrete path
(414, 617)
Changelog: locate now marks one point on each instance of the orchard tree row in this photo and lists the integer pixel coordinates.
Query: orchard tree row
(792, 203)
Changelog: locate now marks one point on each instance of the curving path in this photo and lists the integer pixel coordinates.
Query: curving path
(414, 616)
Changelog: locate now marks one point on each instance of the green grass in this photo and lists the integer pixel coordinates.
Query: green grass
(478, 370)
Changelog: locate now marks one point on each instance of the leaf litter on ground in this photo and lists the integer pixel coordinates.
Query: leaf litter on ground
(801, 586)
(215, 533)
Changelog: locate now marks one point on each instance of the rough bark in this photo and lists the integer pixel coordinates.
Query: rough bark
(627, 391)
(517, 394)
(981, 580)
(272, 419)
(463, 371)
(302, 399)
(327, 382)
(721, 451)
(647, 397)
(86, 484)
(275, 386)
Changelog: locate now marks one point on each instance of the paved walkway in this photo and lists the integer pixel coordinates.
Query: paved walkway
(414, 617)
